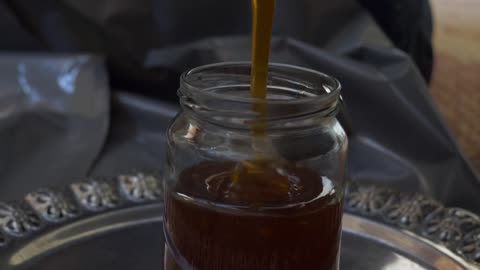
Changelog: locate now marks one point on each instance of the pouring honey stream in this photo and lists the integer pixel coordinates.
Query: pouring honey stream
(263, 17)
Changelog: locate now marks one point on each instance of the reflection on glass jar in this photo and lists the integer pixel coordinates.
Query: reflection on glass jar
(238, 200)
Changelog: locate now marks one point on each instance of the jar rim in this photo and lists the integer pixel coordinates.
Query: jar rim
(330, 86)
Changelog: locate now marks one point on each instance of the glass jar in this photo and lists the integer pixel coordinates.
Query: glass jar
(237, 199)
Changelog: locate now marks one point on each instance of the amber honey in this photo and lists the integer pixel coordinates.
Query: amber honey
(255, 224)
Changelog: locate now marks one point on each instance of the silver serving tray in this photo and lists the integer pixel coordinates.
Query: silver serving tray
(117, 224)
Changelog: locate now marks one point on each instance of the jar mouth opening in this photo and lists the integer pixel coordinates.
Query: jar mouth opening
(220, 94)
(287, 84)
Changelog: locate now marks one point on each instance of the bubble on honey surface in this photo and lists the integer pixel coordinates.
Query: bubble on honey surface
(257, 183)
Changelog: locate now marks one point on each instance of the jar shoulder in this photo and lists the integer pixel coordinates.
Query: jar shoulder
(316, 140)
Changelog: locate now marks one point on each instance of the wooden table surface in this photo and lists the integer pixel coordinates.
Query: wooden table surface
(456, 79)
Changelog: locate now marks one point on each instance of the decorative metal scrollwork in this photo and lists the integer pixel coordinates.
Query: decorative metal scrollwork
(409, 211)
(367, 200)
(456, 229)
(51, 206)
(140, 187)
(469, 246)
(451, 227)
(16, 221)
(96, 195)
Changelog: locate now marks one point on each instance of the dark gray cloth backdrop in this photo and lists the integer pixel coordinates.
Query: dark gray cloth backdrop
(63, 118)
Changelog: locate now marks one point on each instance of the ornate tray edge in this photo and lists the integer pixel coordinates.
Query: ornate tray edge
(453, 229)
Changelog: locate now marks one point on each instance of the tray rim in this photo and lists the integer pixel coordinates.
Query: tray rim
(454, 232)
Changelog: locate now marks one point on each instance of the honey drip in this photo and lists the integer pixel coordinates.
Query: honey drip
(263, 17)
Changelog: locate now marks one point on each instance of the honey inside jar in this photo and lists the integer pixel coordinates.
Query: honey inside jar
(255, 224)
(265, 213)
